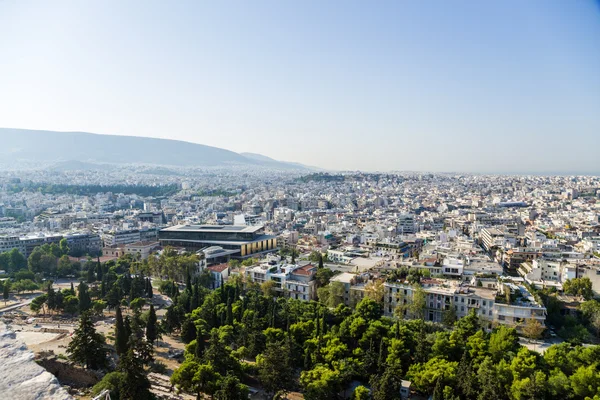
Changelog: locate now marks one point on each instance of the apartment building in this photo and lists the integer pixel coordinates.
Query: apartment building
(291, 280)
(492, 305)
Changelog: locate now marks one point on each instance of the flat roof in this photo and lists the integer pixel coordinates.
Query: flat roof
(213, 228)
(224, 242)
(344, 277)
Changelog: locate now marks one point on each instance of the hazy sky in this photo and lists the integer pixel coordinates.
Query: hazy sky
(483, 86)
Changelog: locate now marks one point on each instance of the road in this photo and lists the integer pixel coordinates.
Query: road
(18, 305)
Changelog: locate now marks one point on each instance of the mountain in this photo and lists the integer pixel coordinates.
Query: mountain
(271, 161)
(70, 149)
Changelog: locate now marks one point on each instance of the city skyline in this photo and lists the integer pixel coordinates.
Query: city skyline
(467, 88)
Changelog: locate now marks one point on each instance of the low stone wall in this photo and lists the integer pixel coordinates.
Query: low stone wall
(70, 374)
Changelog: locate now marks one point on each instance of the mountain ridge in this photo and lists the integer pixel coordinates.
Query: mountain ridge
(86, 147)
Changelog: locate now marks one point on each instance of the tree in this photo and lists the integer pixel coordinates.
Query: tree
(230, 388)
(152, 326)
(274, 368)
(6, 291)
(489, 382)
(91, 276)
(369, 309)
(375, 290)
(425, 376)
(386, 386)
(586, 381)
(320, 261)
(98, 306)
(418, 303)
(121, 336)
(37, 303)
(71, 304)
(188, 331)
(136, 385)
(137, 303)
(503, 343)
(331, 295)
(533, 329)
(16, 260)
(530, 388)
(64, 247)
(87, 345)
(361, 393)
(323, 276)
(268, 288)
(579, 287)
(321, 383)
(194, 377)
(85, 302)
(64, 266)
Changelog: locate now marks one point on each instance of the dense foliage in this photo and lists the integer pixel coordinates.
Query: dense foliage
(321, 350)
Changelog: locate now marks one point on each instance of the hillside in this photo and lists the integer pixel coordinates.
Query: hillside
(21, 144)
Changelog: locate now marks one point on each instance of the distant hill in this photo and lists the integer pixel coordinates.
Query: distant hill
(268, 160)
(70, 150)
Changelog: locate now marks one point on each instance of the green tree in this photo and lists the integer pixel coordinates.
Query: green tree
(136, 385)
(121, 336)
(87, 345)
(369, 309)
(321, 383)
(85, 302)
(16, 260)
(274, 368)
(504, 343)
(230, 388)
(188, 331)
(418, 303)
(489, 382)
(6, 291)
(531, 388)
(533, 329)
(332, 295)
(113, 381)
(585, 381)
(197, 378)
(387, 385)
(361, 393)
(579, 287)
(152, 326)
(71, 304)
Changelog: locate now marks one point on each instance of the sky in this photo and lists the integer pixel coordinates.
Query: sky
(469, 86)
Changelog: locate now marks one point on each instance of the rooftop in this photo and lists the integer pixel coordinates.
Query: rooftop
(214, 228)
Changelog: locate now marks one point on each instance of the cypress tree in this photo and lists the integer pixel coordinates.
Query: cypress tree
(99, 270)
(382, 356)
(85, 302)
(438, 392)
(120, 334)
(200, 344)
(229, 313)
(87, 345)
(72, 288)
(307, 361)
(194, 298)
(188, 331)
(152, 326)
(320, 261)
(128, 330)
(188, 282)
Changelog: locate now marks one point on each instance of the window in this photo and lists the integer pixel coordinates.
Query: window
(462, 308)
(484, 303)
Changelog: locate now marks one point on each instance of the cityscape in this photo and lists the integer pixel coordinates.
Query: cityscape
(299, 200)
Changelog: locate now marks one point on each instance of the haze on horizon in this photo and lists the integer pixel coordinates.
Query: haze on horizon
(506, 86)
